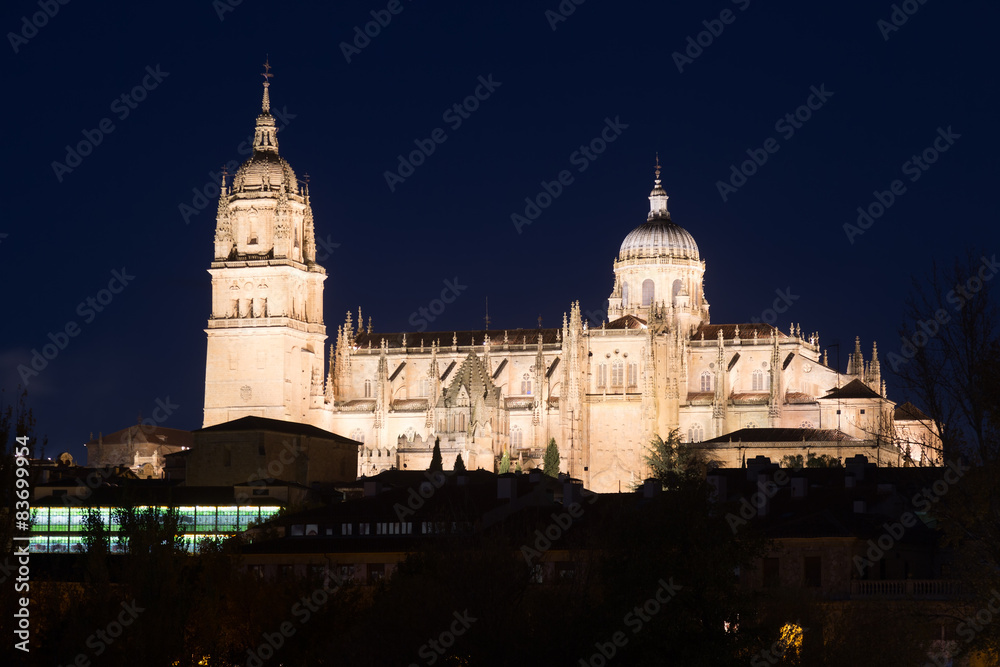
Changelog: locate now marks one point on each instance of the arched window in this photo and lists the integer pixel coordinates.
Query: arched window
(526, 384)
(368, 388)
(647, 292)
(696, 433)
(358, 434)
(602, 375)
(759, 380)
(675, 291)
(461, 422)
(617, 373)
(706, 381)
(624, 295)
(516, 437)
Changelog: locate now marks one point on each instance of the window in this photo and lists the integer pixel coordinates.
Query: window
(358, 434)
(633, 375)
(602, 375)
(617, 373)
(771, 573)
(516, 437)
(696, 433)
(706, 381)
(526, 384)
(759, 380)
(461, 421)
(812, 571)
(425, 387)
(376, 572)
(364, 529)
(624, 295)
(647, 292)
(368, 388)
(862, 411)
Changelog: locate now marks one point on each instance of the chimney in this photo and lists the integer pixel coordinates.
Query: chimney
(756, 465)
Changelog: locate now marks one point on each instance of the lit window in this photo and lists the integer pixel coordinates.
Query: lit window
(706, 381)
(696, 433)
(526, 384)
(647, 292)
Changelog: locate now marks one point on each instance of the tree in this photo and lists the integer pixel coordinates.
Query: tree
(672, 461)
(795, 461)
(436, 463)
(459, 463)
(550, 465)
(504, 463)
(949, 332)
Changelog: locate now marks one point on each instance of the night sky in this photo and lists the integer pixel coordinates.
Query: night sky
(135, 203)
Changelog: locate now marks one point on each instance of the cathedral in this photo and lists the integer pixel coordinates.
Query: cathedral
(602, 392)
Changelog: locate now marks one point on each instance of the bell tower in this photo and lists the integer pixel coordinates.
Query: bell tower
(265, 333)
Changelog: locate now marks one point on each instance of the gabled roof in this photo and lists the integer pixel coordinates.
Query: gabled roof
(626, 322)
(274, 425)
(909, 412)
(853, 389)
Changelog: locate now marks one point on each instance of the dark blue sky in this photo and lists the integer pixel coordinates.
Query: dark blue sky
(390, 251)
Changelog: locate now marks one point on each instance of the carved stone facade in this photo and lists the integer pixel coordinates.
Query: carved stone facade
(601, 392)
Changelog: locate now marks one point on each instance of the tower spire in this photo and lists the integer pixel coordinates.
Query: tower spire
(658, 197)
(266, 104)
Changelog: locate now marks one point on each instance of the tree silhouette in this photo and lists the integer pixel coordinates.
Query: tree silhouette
(436, 463)
(459, 463)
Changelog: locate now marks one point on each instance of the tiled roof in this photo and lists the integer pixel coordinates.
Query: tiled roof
(747, 329)
(798, 397)
(909, 412)
(444, 339)
(410, 405)
(781, 435)
(358, 405)
(853, 389)
(700, 396)
(274, 425)
(750, 398)
(626, 322)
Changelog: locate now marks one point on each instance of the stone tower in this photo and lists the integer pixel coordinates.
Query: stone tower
(265, 334)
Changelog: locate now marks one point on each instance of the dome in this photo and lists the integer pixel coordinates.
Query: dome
(264, 171)
(659, 237)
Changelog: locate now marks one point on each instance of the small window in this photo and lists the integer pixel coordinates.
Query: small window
(617, 373)
(516, 437)
(633, 375)
(706, 381)
(602, 375)
(346, 528)
(759, 381)
(526, 385)
(862, 411)
(376, 572)
(368, 388)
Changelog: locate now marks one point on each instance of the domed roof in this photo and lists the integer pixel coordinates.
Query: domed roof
(659, 237)
(264, 171)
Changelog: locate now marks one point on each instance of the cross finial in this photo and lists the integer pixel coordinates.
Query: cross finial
(267, 70)
(266, 105)
(657, 167)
